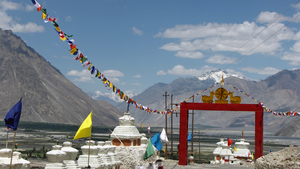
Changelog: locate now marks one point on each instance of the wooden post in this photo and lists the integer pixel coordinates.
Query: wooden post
(166, 123)
(89, 153)
(199, 145)
(171, 127)
(7, 137)
(12, 150)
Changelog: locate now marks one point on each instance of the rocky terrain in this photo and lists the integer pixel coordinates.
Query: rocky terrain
(286, 158)
(48, 96)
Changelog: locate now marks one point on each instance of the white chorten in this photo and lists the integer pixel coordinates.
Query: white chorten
(225, 153)
(126, 132)
(217, 152)
(242, 151)
(70, 158)
(25, 163)
(93, 159)
(102, 153)
(55, 158)
(17, 162)
(131, 152)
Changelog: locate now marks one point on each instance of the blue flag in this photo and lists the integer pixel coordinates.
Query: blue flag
(13, 116)
(190, 137)
(155, 140)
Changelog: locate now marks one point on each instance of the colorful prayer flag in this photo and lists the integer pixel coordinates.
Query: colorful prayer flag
(12, 118)
(84, 64)
(85, 130)
(149, 130)
(155, 140)
(142, 127)
(163, 136)
(149, 151)
(190, 137)
(229, 142)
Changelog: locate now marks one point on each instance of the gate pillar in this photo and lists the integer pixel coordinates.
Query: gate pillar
(184, 107)
(183, 134)
(259, 134)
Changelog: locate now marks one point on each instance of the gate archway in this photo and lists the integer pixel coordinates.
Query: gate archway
(185, 107)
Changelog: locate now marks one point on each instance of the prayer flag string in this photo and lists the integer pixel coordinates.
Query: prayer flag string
(74, 50)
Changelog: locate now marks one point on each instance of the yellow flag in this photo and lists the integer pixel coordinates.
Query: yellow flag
(44, 16)
(110, 85)
(72, 50)
(63, 39)
(58, 29)
(90, 67)
(252, 156)
(142, 126)
(85, 130)
(235, 149)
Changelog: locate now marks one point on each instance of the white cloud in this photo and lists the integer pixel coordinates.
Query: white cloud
(68, 18)
(161, 72)
(84, 79)
(112, 73)
(7, 5)
(227, 37)
(208, 30)
(293, 57)
(192, 55)
(114, 80)
(137, 31)
(297, 6)
(181, 70)
(138, 76)
(84, 72)
(296, 47)
(27, 28)
(296, 18)
(267, 17)
(221, 59)
(262, 71)
(84, 76)
(7, 22)
(30, 7)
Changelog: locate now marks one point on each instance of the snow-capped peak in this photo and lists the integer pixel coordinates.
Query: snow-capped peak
(112, 95)
(217, 75)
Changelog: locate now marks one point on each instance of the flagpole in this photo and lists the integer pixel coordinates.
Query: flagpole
(7, 138)
(12, 151)
(89, 153)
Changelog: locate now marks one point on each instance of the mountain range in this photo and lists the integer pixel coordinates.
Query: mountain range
(278, 92)
(47, 95)
(50, 97)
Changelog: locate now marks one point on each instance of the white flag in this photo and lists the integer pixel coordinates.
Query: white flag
(163, 136)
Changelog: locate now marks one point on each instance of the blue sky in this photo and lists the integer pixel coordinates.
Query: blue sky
(136, 44)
